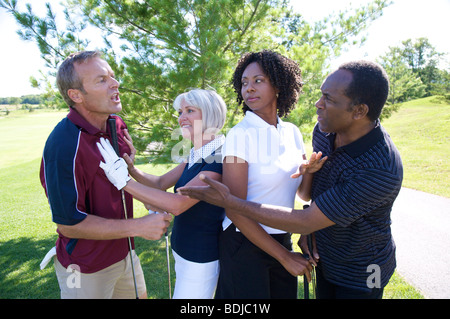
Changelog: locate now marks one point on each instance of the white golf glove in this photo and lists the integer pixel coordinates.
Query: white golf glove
(116, 169)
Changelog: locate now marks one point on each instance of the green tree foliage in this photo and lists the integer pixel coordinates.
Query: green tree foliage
(34, 99)
(423, 59)
(404, 83)
(413, 69)
(167, 47)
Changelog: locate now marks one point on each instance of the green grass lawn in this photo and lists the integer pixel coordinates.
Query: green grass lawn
(420, 130)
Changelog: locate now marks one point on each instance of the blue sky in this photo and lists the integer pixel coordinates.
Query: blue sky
(402, 20)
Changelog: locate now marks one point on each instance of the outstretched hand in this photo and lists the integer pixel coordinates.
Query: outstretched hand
(314, 164)
(214, 193)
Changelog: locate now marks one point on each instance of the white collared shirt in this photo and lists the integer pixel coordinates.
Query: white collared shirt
(273, 154)
(195, 156)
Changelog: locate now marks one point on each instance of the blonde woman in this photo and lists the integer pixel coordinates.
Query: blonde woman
(197, 224)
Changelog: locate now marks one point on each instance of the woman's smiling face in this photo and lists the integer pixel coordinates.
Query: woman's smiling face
(190, 120)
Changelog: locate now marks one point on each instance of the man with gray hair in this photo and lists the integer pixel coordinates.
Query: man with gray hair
(93, 255)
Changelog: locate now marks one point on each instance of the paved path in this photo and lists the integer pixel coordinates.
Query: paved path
(421, 231)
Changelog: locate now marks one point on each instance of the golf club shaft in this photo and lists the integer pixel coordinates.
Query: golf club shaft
(115, 144)
(305, 287)
(168, 265)
(313, 273)
(305, 280)
(166, 235)
(310, 248)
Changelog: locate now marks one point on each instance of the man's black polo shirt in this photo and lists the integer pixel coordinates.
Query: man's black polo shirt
(356, 189)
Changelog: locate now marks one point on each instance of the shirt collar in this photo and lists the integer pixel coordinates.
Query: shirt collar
(82, 123)
(365, 142)
(203, 152)
(255, 120)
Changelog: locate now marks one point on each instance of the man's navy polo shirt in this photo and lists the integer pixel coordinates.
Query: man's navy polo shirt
(356, 189)
(76, 186)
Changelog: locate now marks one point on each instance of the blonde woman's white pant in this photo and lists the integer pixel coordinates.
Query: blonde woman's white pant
(195, 280)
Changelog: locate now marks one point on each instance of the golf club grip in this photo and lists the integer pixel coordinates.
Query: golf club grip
(308, 237)
(309, 243)
(153, 212)
(113, 132)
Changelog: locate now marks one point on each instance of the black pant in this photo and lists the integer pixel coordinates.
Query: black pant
(248, 272)
(328, 290)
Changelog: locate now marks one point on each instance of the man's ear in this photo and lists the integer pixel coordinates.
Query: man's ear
(75, 95)
(360, 111)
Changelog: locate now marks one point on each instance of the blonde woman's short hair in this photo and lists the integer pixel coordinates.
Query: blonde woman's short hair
(214, 109)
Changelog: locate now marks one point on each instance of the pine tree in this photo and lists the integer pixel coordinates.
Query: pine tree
(170, 46)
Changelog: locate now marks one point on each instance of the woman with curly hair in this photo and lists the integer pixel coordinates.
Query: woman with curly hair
(259, 156)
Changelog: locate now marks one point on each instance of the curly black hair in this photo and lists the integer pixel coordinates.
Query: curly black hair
(284, 75)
